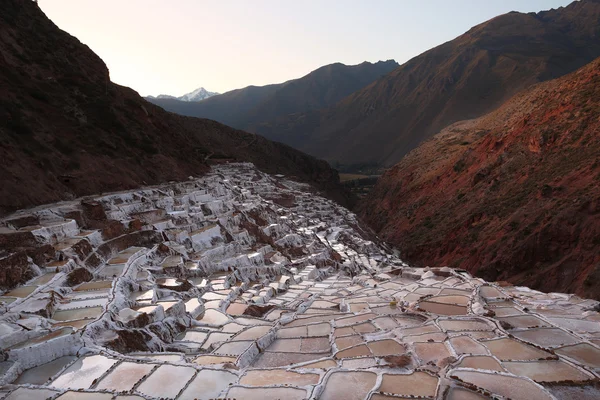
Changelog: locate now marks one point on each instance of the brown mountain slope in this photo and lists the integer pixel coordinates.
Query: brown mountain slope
(256, 108)
(514, 195)
(461, 79)
(66, 130)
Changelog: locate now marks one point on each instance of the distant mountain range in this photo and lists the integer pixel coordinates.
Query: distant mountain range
(257, 108)
(196, 95)
(376, 113)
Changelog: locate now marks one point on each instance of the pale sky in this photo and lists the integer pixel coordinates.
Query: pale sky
(176, 46)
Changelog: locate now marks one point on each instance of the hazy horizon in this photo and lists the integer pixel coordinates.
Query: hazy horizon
(156, 48)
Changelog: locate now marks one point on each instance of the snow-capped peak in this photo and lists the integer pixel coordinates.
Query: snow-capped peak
(196, 95)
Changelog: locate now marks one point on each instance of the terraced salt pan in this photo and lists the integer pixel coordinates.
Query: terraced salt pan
(509, 349)
(348, 385)
(431, 351)
(442, 309)
(415, 384)
(547, 371)
(124, 377)
(466, 345)
(278, 377)
(23, 393)
(546, 337)
(41, 374)
(266, 393)
(323, 318)
(43, 338)
(71, 395)
(83, 372)
(275, 360)
(208, 384)
(508, 386)
(21, 292)
(480, 362)
(166, 382)
(463, 394)
(583, 353)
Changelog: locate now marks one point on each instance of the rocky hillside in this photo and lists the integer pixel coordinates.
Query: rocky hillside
(258, 109)
(461, 79)
(513, 195)
(66, 130)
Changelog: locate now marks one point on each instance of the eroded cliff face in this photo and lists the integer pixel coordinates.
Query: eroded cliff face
(514, 195)
(67, 131)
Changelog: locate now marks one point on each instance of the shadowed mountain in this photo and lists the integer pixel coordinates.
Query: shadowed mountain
(461, 79)
(67, 131)
(513, 195)
(254, 108)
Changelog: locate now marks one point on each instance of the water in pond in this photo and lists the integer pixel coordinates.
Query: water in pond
(457, 300)
(193, 336)
(94, 286)
(213, 317)
(41, 374)
(431, 351)
(273, 359)
(319, 329)
(463, 394)
(546, 371)
(386, 347)
(236, 308)
(78, 313)
(70, 395)
(22, 291)
(125, 376)
(278, 377)
(348, 341)
(415, 384)
(75, 324)
(233, 348)
(208, 384)
(359, 363)
(357, 351)
(83, 372)
(442, 309)
(524, 321)
(212, 360)
(266, 393)
(512, 387)
(253, 333)
(584, 353)
(348, 385)
(315, 345)
(31, 394)
(167, 381)
(490, 292)
(576, 325)
(286, 345)
(44, 338)
(549, 337)
(328, 363)
(215, 338)
(510, 349)
(466, 345)
(465, 325)
(43, 279)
